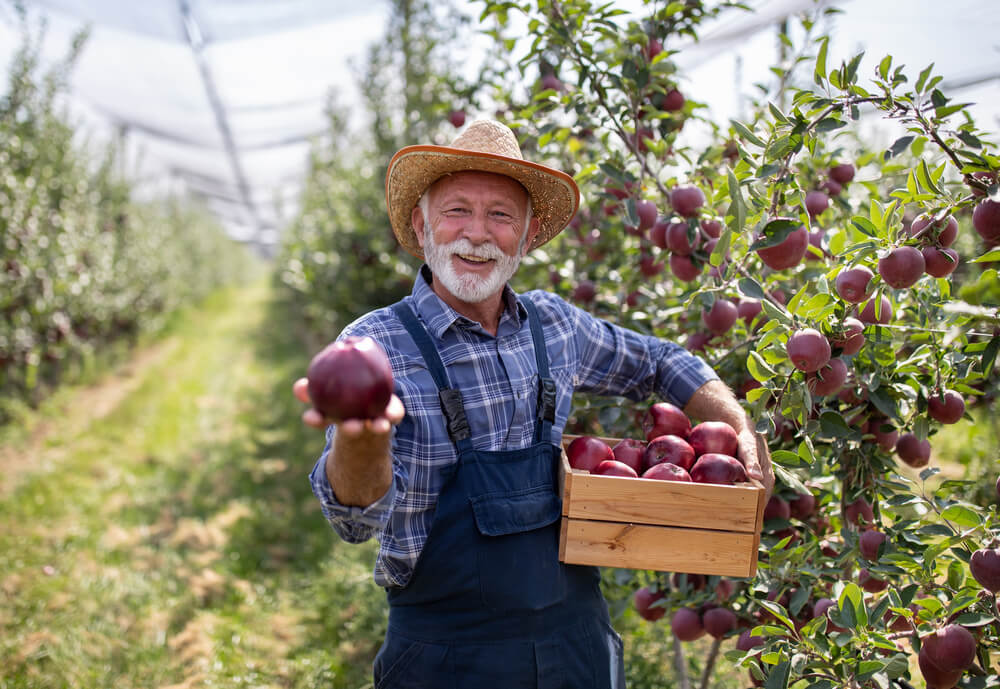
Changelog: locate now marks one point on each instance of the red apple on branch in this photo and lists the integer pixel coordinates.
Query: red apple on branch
(985, 567)
(687, 200)
(946, 406)
(902, 266)
(686, 624)
(808, 349)
(789, 252)
(645, 601)
(853, 284)
(938, 262)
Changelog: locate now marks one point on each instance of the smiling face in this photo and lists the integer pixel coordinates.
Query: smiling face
(477, 230)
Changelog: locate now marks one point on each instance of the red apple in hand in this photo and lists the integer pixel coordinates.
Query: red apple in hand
(714, 436)
(587, 452)
(350, 379)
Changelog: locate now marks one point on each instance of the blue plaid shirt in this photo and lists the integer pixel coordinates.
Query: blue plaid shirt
(499, 384)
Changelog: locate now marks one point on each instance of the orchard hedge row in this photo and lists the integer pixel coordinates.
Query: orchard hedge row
(83, 266)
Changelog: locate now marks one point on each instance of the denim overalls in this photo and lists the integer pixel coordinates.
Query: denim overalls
(489, 604)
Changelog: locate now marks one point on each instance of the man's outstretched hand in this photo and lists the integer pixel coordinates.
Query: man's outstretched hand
(351, 428)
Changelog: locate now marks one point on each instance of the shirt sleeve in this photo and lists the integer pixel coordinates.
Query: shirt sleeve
(354, 524)
(616, 361)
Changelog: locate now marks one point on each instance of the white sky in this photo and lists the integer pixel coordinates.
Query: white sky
(274, 62)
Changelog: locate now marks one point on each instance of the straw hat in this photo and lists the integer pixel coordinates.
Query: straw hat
(486, 146)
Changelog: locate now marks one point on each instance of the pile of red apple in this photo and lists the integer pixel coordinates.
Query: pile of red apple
(673, 450)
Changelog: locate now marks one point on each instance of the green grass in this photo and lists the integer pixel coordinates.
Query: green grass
(174, 541)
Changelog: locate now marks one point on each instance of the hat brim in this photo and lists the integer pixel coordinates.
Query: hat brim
(555, 196)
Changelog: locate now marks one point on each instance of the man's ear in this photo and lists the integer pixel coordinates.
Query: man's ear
(417, 220)
(533, 227)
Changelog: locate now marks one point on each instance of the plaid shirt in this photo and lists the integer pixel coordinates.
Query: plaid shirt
(499, 384)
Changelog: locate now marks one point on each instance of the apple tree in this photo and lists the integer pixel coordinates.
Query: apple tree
(847, 291)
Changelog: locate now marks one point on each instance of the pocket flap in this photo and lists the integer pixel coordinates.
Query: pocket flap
(510, 513)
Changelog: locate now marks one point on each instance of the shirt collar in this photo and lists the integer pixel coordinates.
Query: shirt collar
(438, 316)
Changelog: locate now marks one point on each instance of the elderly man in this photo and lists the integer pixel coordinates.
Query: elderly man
(458, 479)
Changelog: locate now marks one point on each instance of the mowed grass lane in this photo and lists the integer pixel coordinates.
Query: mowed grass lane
(157, 528)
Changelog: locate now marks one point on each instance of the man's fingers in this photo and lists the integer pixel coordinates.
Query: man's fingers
(301, 390)
(313, 418)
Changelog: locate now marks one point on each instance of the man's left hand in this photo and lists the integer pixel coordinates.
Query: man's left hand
(756, 458)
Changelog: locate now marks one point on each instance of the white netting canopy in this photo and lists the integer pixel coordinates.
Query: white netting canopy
(219, 98)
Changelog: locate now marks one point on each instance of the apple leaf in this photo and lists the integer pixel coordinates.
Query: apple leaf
(962, 515)
(990, 355)
(746, 134)
(820, 72)
(989, 257)
(751, 288)
(777, 678)
(851, 605)
(788, 459)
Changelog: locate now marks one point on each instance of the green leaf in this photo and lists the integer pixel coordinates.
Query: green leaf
(773, 311)
(774, 233)
(746, 134)
(989, 257)
(962, 515)
(788, 459)
(777, 678)
(865, 225)
(820, 72)
(737, 208)
(751, 288)
(899, 146)
(924, 177)
(852, 603)
(990, 356)
(922, 79)
(758, 368)
(884, 67)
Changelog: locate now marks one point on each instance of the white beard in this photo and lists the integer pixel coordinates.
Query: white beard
(470, 288)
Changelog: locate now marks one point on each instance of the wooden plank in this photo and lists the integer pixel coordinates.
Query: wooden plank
(659, 548)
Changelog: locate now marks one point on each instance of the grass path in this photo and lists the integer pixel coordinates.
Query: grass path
(157, 528)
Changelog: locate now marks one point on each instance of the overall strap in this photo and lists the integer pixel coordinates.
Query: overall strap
(546, 385)
(451, 399)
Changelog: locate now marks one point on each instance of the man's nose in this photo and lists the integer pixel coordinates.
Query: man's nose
(477, 229)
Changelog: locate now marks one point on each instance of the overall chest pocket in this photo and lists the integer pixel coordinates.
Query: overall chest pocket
(518, 550)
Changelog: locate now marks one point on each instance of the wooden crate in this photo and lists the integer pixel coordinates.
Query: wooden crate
(669, 526)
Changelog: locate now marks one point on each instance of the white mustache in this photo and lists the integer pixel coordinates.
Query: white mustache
(465, 247)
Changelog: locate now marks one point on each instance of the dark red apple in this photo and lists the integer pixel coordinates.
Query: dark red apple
(612, 467)
(671, 449)
(586, 452)
(718, 622)
(870, 583)
(629, 451)
(986, 220)
(938, 262)
(711, 228)
(935, 678)
(351, 379)
(946, 407)
(686, 624)
(649, 266)
(684, 268)
(748, 309)
(886, 436)
(658, 233)
(713, 436)
(808, 349)
(816, 202)
(645, 600)
(673, 101)
(866, 314)
(665, 471)
(678, 240)
(646, 210)
(943, 232)
(859, 513)
(687, 200)
(842, 173)
(829, 379)
(721, 317)
(789, 252)
(820, 608)
(869, 542)
(747, 641)
(777, 508)
(802, 505)
(718, 468)
(457, 118)
(664, 418)
(985, 567)
(831, 187)
(902, 267)
(853, 284)
(913, 451)
(852, 337)
(653, 48)
(951, 648)
(551, 81)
